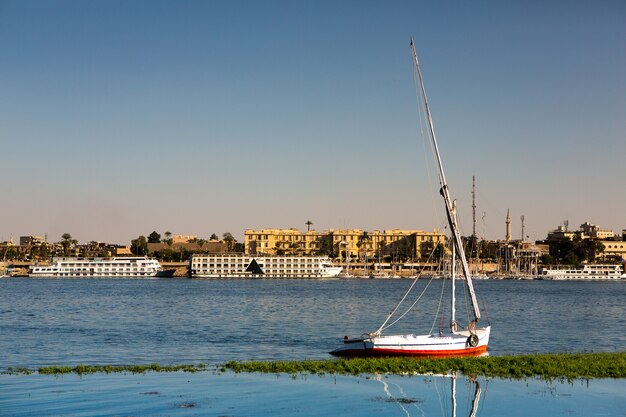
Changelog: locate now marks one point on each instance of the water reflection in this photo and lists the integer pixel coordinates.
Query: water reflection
(265, 395)
(409, 404)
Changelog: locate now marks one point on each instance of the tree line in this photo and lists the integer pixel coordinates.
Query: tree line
(573, 251)
(139, 246)
(41, 250)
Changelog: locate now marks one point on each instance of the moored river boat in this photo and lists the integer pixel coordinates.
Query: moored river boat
(237, 265)
(586, 272)
(116, 267)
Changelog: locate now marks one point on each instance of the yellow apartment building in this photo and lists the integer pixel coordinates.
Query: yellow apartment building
(613, 248)
(355, 243)
(281, 241)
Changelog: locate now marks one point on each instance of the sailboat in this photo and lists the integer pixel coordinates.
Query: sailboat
(469, 340)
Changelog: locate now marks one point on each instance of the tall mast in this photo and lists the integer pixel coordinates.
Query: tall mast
(474, 207)
(445, 193)
(453, 324)
(475, 249)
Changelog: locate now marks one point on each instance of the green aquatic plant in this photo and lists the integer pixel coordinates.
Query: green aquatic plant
(135, 369)
(17, 371)
(547, 366)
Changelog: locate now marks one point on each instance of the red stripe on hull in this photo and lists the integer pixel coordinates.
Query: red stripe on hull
(479, 350)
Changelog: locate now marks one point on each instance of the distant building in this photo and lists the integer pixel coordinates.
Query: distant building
(544, 248)
(353, 243)
(412, 244)
(588, 230)
(561, 232)
(122, 250)
(528, 255)
(516, 256)
(613, 249)
(183, 238)
(31, 240)
(280, 241)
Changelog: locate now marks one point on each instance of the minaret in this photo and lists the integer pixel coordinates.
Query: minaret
(508, 225)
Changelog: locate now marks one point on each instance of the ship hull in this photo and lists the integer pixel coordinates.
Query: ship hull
(165, 273)
(449, 344)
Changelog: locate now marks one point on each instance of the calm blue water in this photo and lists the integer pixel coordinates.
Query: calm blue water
(120, 321)
(105, 321)
(205, 394)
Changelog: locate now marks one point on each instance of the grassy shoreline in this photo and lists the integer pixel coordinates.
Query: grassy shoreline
(547, 366)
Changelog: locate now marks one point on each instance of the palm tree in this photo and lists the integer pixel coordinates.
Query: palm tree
(66, 242)
(168, 239)
(308, 223)
(278, 250)
(92, 248)
(139, 246)
(365, 237)
(362, 241)
(230, 241)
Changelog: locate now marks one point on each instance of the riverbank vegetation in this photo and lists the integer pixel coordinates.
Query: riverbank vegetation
(108, 369)
(547, 366)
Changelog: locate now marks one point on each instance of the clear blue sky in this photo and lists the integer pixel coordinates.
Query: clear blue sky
(118, 118)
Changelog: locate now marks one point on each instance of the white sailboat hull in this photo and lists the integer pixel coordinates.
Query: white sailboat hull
(446, 344)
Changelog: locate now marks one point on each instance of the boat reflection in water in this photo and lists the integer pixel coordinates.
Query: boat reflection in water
(407, 404)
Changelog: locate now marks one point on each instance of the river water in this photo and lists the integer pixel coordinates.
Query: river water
(125, 321)
(120, 321)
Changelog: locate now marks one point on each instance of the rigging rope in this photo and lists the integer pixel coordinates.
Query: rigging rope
(421, 109)
(384, 325)
(443, 285)
(467, 312)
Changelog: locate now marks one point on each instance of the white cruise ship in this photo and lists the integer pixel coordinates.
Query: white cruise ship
(587, 272)
(122, 267)
(233, 265)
